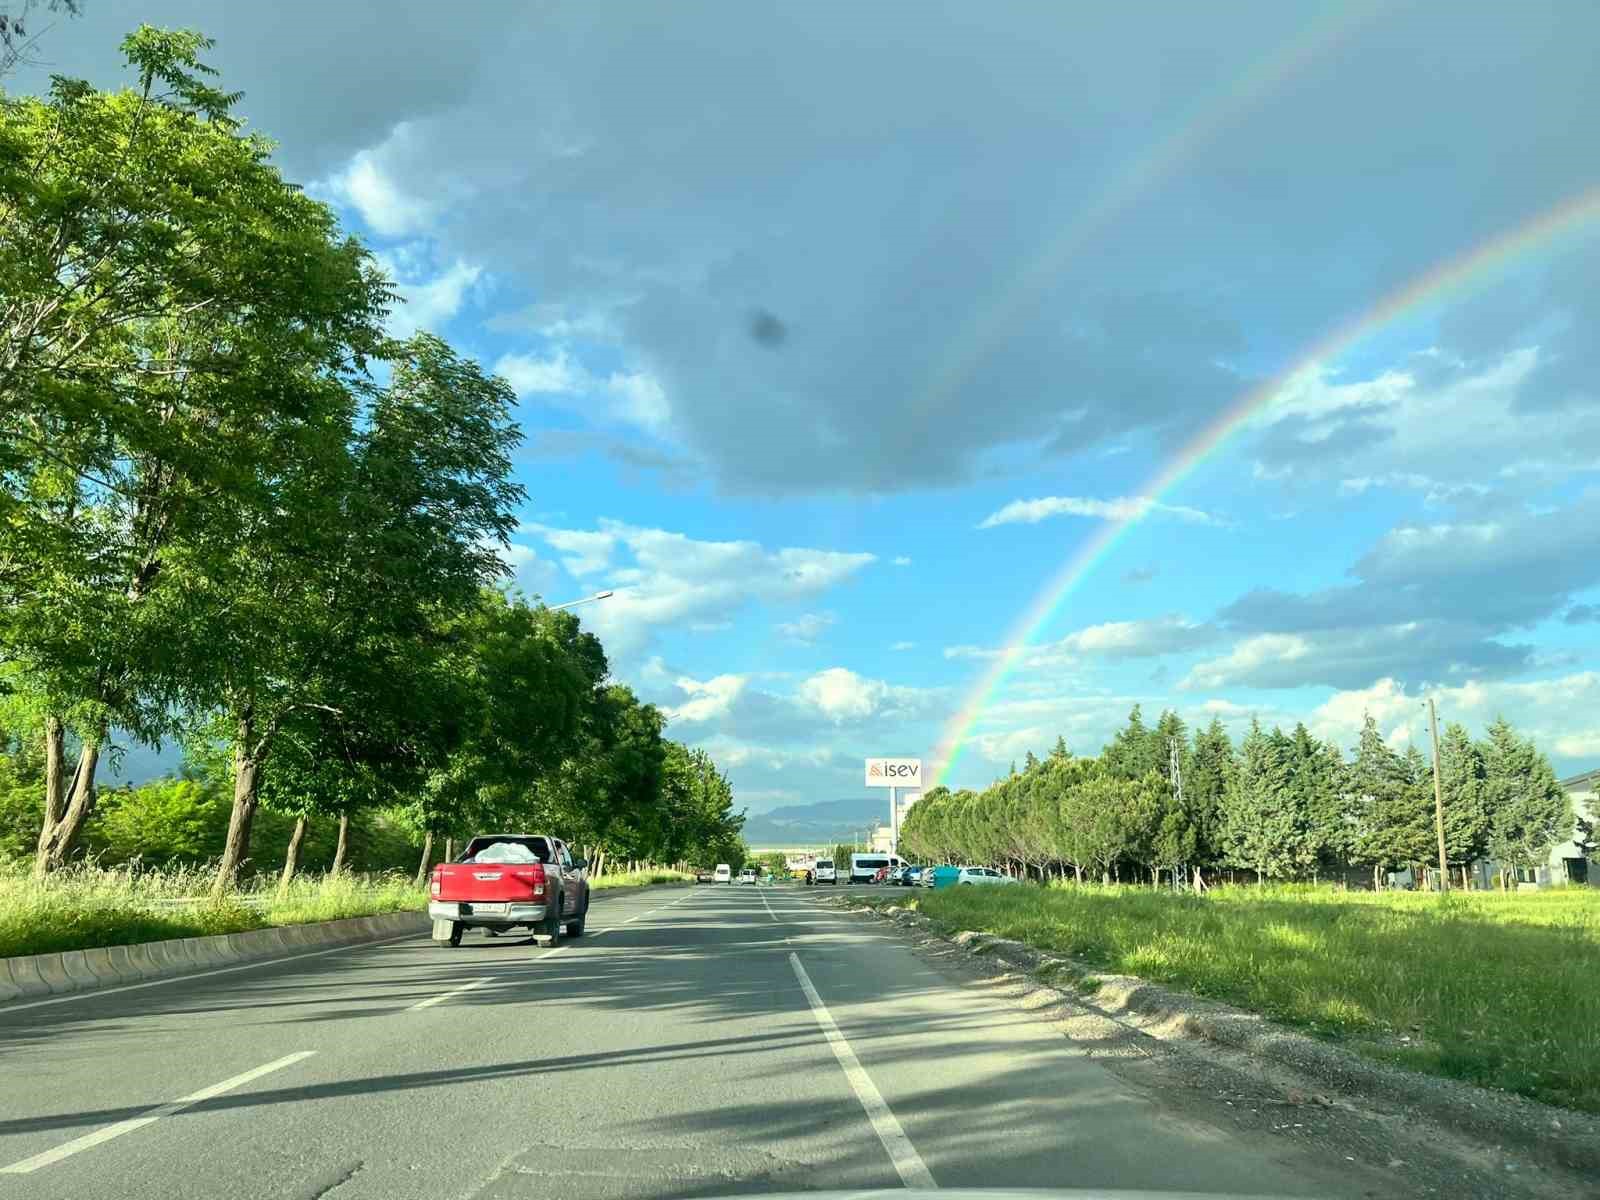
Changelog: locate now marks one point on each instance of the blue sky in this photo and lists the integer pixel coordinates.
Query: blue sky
(768, 282)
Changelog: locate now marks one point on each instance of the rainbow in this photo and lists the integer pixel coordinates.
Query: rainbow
(1439, 283)
(1142, 175)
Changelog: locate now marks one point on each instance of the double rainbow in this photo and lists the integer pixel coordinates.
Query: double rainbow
(1443, 281)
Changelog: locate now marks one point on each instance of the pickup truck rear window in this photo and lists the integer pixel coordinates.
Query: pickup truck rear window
(508, 850)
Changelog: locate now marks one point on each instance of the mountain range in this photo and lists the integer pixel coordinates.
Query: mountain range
(821, 824)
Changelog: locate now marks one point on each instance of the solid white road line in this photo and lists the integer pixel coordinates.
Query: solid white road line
(443, 996)
(913, 1171)
(68, 1149)
(7, 1009)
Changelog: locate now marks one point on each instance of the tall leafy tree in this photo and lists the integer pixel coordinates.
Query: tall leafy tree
(171, 307)
(1528, 811)
(383, 534)
(1260, 828)
(1462, 780)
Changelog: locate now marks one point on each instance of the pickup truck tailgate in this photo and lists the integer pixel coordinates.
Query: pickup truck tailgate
(468, 881)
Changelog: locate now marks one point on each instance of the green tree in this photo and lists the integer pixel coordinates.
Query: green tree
(176, 317)
(1260, 828)
(1135, 750)
(1462, 779)
(1393, 817)
(378, 539)
(1528, 811)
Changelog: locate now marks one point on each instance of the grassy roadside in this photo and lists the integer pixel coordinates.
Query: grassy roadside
(626, 879)
(84, 906)
(1496, 989)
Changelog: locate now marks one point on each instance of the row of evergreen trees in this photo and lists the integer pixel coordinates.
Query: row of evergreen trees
(1279, 805)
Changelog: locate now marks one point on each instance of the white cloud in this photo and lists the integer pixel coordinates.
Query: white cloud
(624, 397)
(901, 560)
(676, 580)
(1245, 658)
(531, 572)
(1149, 638)
(709, 700)
(1418, 437)
(807, 627)
(903, 646)
(428, 303)
(1122, 508)
(584, 552)
(1559, 713)
(368, 186)
(841, 695)
(532, 376)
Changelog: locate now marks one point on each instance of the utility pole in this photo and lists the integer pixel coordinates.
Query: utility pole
(1175, 774)
(1438, 797)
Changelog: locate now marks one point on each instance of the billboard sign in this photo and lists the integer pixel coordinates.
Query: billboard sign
(894, 772)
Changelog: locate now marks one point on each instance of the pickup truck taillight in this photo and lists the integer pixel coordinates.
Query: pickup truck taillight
(534, 876)
(434, 884)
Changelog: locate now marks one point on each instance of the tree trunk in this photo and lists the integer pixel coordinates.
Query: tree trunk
(291, 856)
(57, 841)
(449, 849)
(341, 851)
(427, 856)
(55, 782)
(246, 795)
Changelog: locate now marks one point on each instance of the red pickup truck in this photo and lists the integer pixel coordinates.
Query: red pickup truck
(504, 880)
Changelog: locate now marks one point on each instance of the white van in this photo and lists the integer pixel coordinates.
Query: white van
(824, 872)
(724, 873)
(864, 867)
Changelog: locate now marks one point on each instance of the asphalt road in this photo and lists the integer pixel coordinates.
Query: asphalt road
(707, 1041)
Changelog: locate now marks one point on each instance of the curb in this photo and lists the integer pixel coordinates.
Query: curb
(32, 976)
(1562, 1136)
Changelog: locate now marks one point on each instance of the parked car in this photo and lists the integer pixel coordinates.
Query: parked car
(748, 875)
(506, 880)
(982, 875)
(705, 877)
(926, 879)
(825, 872)
(724, 874)
(910, 876)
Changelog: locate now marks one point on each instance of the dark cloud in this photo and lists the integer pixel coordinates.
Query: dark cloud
(971, 266)
(1429, 603)
(766, 330)
(1582, 614)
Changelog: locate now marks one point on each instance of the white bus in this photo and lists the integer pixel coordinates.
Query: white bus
(864, 866)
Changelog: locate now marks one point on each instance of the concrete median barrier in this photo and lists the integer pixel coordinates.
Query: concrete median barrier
(36, 976)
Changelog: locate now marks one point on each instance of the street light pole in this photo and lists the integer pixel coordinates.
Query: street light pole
(585, 600)
(1438, 797)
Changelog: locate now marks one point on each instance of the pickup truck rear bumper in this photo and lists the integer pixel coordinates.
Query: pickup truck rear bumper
(482, 913)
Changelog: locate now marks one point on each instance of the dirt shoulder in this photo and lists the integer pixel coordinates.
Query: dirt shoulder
(1235, 1068)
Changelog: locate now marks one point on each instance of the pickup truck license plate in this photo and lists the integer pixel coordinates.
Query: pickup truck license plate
(489, 909)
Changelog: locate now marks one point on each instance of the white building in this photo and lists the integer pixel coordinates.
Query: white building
(1568, 862)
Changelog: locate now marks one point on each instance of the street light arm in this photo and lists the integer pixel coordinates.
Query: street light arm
(584, 600)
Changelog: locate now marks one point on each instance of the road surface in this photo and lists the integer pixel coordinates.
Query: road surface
(705, 1041)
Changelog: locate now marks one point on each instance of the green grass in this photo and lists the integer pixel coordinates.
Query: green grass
(625, 879)
(86, 906)
(1498, 989)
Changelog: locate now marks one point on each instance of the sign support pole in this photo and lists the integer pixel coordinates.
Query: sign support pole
(894, 820)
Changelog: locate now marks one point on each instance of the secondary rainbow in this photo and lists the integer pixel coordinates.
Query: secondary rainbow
(1439, 283)
(1140, 176)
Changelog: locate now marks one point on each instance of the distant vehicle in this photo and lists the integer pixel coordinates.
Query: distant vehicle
(906, 877)
(505, 880)
(724, 874)
(704, 877)
(748, 875)
(982, 875)
(825, 872)
(926, 878)
(865, 867)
